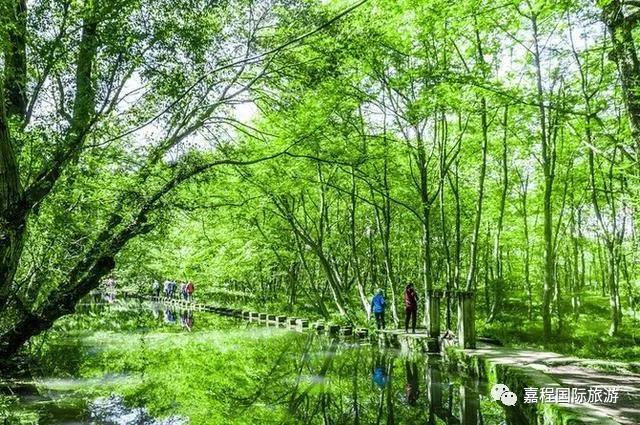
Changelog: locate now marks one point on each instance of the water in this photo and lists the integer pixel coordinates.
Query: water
(138, 363)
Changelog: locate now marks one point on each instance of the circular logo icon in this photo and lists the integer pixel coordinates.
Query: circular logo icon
(508, 398)
(497, 391)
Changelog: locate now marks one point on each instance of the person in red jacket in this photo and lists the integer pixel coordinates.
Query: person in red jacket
(189, 289)
(410, 307)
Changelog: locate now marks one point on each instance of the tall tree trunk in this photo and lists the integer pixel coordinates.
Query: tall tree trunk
(443, 220)
(497, 248)
(427, 277)
(13, 212)
(473, 257)
(354, 248)
(547, 168)
(15, 58)
(12, 221)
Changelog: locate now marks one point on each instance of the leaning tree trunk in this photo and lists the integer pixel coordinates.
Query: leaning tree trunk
(624, 53)
(12, 218)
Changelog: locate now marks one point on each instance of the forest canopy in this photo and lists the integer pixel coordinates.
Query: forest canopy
(308, 153)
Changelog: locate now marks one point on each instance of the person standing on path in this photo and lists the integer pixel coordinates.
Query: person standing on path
(190, 288)
(377, 308)
(156, 288)
(167, 288)
(410, 307)
(183, 290)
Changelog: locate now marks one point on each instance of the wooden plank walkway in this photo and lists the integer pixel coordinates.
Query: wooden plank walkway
(418, 342)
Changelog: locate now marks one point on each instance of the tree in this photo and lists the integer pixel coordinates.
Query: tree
(99, 126)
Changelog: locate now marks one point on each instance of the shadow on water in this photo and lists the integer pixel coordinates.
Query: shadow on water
(130, 362)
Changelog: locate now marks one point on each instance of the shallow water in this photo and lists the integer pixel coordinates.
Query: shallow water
(127, 362)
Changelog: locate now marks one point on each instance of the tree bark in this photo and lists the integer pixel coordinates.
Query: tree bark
(625, 55)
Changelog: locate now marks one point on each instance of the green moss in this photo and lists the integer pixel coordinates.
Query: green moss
(517, 378)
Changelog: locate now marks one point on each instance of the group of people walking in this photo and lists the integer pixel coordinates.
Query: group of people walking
(170, 289)
(378, 307)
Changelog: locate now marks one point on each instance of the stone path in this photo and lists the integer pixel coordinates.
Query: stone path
(407, 342)
(570, 372)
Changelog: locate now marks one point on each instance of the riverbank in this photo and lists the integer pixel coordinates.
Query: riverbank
(520, 369)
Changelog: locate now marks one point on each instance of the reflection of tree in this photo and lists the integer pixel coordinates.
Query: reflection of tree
(354, 393)
(270, 379)
(300, 397)
(390, 411)
(297, 399)
(317, 380)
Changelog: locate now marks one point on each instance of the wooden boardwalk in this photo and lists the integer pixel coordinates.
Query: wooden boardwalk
(289, 322)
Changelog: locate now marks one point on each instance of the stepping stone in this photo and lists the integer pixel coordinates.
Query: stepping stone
(362, 332)
(334, 329)
(346, 331)
(302, 324)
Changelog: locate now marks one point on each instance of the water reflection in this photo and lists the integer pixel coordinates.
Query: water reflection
(246, 376)
(400, 391)
(411, 387)
(186, 318)
(169, 315)
(379, 375)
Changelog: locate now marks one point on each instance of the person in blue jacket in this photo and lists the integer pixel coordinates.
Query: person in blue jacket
(377, 308)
